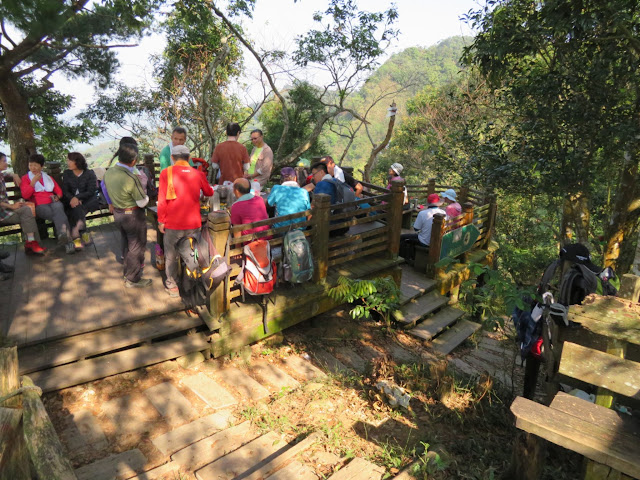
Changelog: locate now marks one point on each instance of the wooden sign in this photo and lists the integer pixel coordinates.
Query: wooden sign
(458, 241)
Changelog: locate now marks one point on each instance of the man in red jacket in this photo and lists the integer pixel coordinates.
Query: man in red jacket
(179, 208)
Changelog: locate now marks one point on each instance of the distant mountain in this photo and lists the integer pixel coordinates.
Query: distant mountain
(411, 70)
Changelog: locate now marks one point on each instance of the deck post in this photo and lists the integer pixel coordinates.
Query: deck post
(491, 219)
(431, 186)
(219, 224)
(14, 460)
(467, 210)
(320, 216)
(437, 230)
(463, 194)
(395, 217)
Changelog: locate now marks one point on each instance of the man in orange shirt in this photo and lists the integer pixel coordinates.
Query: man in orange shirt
(231, 156)
(179, 208)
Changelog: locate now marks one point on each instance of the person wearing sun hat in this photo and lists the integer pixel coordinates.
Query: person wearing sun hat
(288, 197)
(453, 208)
(395, 171)
(422, 225)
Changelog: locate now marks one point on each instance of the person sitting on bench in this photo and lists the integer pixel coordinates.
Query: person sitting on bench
(422, 225)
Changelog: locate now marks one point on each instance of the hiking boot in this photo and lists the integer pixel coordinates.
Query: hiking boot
(4, 255)
(142, 283)
(77, 244)
(33, 247)
(173, 292)
(6, 268)
(86, 238)
(69, 248)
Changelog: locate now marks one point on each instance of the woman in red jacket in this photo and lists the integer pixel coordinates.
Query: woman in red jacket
(41, 189)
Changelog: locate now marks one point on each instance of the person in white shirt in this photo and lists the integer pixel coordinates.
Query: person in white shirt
(422, 225)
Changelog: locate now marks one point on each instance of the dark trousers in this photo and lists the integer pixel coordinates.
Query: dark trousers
(77, 216)
(133, 228)
(408, 243)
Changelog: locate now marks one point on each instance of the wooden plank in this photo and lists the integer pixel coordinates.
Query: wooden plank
(45, 449)
(14, 458)
(260, 471)
(358, 221)
(69, 349)
(601, 369)
(120, 465)
(417, 309)
(603, 417)
(244, 459)
(87, 370)
(333, 243)
(356, 246)
(432, 326)
(454, 336)
(362, 253)
(581, 436)
(359, 469)
(611, 317)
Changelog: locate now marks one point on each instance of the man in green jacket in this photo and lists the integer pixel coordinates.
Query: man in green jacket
(178, 137)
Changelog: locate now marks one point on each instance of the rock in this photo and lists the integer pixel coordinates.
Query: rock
(395, 394)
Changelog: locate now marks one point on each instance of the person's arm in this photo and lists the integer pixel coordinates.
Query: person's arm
(56, 189)
(419, 223)
(67, 189)
(207, 190)
(162, 199)
(88, 187)
(26, 189)
(137, 192)
(267, 163)
(246, 161)
(358, 189)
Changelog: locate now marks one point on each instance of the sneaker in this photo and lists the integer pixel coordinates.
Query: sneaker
(77, 244)
(69, 248)
(142, 283)
(173, 292)
(86, 238)
(33, 247)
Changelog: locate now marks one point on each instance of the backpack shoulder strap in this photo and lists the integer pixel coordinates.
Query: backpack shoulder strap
(548, 276)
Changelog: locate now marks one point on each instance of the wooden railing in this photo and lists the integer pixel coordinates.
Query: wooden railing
(374, 228)
(465, 193)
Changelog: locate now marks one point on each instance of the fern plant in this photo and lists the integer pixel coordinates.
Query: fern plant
(380, 295)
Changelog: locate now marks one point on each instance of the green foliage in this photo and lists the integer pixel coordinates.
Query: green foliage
(496, 297)
(303, 107)
(380, 295)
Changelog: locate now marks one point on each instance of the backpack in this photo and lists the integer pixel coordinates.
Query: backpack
(344, 194)
(258, 274)
(297, 262)
(202, 269)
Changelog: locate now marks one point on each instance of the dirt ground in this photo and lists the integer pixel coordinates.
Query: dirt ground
(456, 427)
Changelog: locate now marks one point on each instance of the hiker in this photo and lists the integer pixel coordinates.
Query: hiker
(247, 208)
(179, 209)
(39, 188)
(323, 183)
(79, 188)
(453, 208)
(17, 213)
(261, 160)
(178, 137)
(288, 198)
(394, 175)
(231, 156)
(129, 199)
(337, 173)
(422, 225)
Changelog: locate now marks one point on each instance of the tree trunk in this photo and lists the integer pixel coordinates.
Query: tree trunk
(575, 219)
(625, 214)
(18, 117)
(378, 148)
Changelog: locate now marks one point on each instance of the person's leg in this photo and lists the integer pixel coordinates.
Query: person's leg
(60, 219)
(77, 220)
(24, 216)
(171, 237)
(135, 226)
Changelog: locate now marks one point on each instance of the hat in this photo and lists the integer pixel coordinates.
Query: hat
(288, 172)
(180, 150)
(434, 199)
(450, 194)
(578, 253)
(396, 167)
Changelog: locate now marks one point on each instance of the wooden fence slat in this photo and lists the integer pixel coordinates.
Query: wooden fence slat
(363, 253)
(359, 212)
(359, 236)
(356, 247)
(358, 221)
(271, 221)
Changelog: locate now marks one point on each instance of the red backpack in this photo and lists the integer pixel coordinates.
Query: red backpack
(258, 274)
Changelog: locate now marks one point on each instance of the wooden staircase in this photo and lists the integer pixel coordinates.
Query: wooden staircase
(426, 314)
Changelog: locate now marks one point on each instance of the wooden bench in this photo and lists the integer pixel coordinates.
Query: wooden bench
(610, 440)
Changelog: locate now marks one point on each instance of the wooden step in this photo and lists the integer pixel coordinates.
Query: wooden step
(78, 347)
(433, 325)
(414, 285)
(417, 309)
(454, 336)
(359, 469)
(87, 370)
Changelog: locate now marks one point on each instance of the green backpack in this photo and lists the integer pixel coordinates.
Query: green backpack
(297, 261)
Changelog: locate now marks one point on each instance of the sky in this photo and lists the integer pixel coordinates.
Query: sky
(276, 24)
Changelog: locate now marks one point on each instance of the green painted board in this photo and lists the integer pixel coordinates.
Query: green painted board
(458, 241)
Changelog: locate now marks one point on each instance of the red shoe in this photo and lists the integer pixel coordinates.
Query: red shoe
(33, 247)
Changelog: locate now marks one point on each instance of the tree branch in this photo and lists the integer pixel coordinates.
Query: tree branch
(6, 35)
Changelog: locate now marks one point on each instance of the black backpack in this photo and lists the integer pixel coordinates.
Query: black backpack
(575, 285)
(344, 194)
(201, 268)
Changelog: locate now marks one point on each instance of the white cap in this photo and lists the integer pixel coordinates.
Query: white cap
(397, 167)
